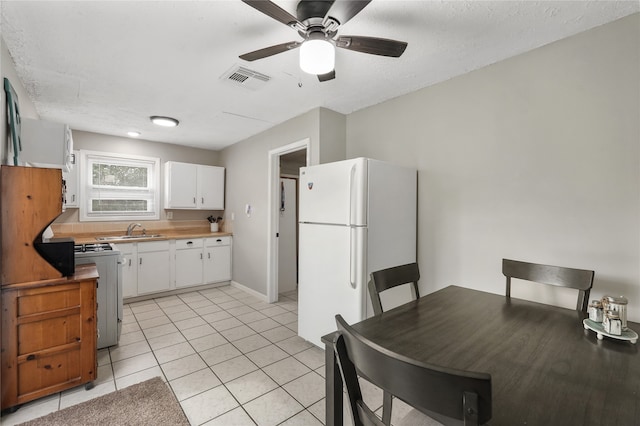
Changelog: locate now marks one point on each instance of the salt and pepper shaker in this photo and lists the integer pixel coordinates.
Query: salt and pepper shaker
(612, 323)
(618, 305)
(595, 311)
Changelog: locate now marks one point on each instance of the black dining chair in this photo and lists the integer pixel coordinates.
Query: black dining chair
(392, 277)
(579, 279)
(438, 395)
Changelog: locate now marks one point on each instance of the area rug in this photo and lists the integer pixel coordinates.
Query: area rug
(147, 403)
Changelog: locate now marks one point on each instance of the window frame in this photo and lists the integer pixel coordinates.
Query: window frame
(87, 189)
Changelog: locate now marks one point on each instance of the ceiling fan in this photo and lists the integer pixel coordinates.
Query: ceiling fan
(317, 23)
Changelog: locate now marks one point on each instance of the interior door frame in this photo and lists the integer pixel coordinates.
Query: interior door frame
(273, 209)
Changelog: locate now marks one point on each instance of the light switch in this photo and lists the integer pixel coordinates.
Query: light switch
(247, 210)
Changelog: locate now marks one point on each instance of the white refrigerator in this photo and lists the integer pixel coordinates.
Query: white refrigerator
(356, 216)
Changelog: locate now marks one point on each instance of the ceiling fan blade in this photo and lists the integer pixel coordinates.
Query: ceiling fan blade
(328, 76)
(273, 10)
(372, 45)
(344, 10)
(270, 51)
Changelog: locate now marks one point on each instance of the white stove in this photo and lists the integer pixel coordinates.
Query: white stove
(107, 258)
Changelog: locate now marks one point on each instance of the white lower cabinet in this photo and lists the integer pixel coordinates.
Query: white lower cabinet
(144, 268)
(129, 253)
(203, 261)
(189, 262)
(159, 266)
(217, 259)
(154, 269)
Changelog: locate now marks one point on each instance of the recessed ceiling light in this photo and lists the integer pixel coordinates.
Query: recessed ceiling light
(164, 121)
(134, 134)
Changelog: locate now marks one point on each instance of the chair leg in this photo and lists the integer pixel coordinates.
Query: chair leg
(386, 407)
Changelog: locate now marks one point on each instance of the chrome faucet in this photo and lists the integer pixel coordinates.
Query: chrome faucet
(131, 227)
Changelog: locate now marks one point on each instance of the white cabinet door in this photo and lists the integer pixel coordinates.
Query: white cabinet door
(129, 269)
(211, 188)
(180, 185)
(154, 269)
(71, 183)
(217, 260)
(193, 186)
(189, 262)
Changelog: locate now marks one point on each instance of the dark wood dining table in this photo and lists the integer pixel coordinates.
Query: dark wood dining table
(546, 369)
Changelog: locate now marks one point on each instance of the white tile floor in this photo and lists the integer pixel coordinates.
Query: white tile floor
(229, 358)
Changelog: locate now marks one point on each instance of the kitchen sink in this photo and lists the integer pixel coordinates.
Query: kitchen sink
(128, 237)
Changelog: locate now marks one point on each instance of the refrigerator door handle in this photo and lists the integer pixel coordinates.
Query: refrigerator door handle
(352, 194)
(352, 258)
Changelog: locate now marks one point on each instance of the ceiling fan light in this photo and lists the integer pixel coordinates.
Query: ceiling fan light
(317, 57)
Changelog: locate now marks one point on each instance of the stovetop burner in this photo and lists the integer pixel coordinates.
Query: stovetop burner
(92, 247)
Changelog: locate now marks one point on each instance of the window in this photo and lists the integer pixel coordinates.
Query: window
(119, 187)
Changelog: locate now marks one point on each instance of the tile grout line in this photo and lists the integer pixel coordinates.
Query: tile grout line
(190, 309)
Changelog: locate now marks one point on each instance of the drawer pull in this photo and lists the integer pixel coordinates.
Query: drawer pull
(31, 357)
(218, 240)
(189, 243)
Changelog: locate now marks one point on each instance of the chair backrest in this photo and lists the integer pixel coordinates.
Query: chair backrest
(392, 277)
(579, 279)
(457, 395)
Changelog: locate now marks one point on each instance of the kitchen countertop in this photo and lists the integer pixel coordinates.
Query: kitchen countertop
(167, 234)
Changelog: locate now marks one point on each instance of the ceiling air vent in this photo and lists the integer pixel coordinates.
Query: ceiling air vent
(244, 77)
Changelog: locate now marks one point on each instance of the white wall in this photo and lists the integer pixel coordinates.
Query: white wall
(535, 158)
(247, 183)
(27, 108)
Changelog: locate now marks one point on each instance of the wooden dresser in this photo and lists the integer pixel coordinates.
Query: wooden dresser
(49, 332)
(48, 336)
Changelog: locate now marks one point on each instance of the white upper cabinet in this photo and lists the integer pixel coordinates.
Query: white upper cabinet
(193, 186)
(211, 187)
(46, 144)
(72, 187)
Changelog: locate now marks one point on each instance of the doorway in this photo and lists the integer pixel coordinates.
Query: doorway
(288, 234)
(284, 164)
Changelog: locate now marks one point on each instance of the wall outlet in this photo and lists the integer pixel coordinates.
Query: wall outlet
(169, 215)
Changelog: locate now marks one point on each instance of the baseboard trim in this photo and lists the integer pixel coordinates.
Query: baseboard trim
(173, 292)
(251, 291)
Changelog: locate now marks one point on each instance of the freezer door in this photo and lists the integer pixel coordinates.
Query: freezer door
(334, 193)
(330, 278)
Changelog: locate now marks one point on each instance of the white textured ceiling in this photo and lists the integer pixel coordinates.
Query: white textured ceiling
(106, 66)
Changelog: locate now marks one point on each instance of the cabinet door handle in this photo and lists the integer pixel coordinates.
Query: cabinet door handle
(73, 197)
(209, 254)
(200, 256)
(129, 262)
(31, 357)
(202, 200)
(194, 200)
(140, 261)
